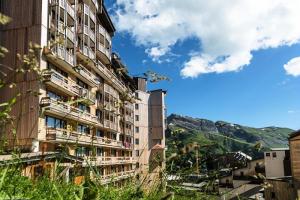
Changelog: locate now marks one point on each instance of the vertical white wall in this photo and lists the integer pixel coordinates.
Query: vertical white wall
(274, 165)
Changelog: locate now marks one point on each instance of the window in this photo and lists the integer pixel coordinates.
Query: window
(137, 141)
(267, 154)
(136, 106)
(113, 152)
(99, 96)
(84, 107)
(53, 122)
(137, 129)
(82, 151)
(99, 151)
(83, 129)
(137, 118)
(99, 114)
(274, 155)
(242, 173)
(56, 96)
(63, 73)
(82, 84)
(137, 153)
(136, 95)
(99, 133)
(114, 136)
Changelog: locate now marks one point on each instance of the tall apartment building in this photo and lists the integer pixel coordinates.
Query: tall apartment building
(149, 130)
(85, 103)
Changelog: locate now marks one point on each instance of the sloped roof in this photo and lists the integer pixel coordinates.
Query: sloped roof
(294, 134)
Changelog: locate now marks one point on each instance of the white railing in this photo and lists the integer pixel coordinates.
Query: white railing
(70, 34)
(60, 51)
(63, 82)
(69, 111)
(93, 17)
(88, 75)
(67, 135)
(86, 9)
(62, 3)
(61, 27)
(92, 54)
(70, 10)
(86, 29)
(85, 50)
(86, 94)
(69, 58)
(92, 35)
(128, 118)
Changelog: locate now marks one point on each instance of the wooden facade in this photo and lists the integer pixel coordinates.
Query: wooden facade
(24, 28)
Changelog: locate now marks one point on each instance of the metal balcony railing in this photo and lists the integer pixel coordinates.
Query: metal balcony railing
(87, 95)
(70, 9)
(68, 111)
(93, 17)
(92, 35)
(61, 81)
(70, 34)
(69, 57)
(101, 47)
(88, 75)
(61, 52)
(58, 134)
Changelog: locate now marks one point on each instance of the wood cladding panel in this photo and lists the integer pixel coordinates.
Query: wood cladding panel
(295, 158)
(24, 28)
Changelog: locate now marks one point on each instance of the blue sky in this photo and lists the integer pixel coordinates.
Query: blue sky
(258, 94)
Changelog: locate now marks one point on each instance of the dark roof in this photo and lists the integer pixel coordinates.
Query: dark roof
(294, 134)
(106, 21)
(159, 90)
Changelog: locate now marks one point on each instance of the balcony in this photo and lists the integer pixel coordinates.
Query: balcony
(129, 119)
(107, 142)
(89, 77)
(109, 76)
(101, 160)
(60, 3)
(128, 131)
(69, 57)
(116, 176)
(86, 52)
(70, 34)
(93, 17)
(65, 110)
(87, 96)
(110, 125)
(92, 35)
(58, 55)
(61, 83)
(63, 135)
(70, 10)
(61, 27)
(104, 52)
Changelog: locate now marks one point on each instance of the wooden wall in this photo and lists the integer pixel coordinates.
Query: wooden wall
(295, 157)
(24, 28)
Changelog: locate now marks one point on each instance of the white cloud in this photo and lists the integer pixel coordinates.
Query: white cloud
(293, 111)
(228, 31)
(293, 67)
(157, 52)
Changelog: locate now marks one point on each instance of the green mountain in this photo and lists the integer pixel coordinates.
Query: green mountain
(221, 137)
